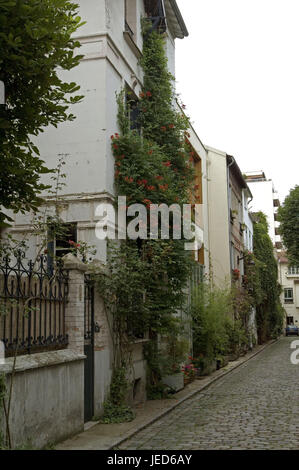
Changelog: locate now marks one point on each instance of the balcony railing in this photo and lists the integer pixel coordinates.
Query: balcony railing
(293, 271)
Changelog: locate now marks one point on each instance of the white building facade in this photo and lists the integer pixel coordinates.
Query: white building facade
(266, 200)
(112, 44)
(289, 280)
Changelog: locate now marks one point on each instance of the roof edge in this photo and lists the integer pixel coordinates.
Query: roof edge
(179, 17)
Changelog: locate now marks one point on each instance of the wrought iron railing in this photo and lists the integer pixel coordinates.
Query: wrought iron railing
(32, 305)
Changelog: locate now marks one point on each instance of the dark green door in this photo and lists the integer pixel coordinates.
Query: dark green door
(89, 350)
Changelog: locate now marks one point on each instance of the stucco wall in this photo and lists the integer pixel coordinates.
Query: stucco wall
(289, 281)
(218, 216)
(48, 398)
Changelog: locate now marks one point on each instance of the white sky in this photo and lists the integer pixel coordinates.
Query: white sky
(238, 75)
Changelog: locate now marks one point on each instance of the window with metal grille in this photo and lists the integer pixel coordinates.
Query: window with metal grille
(60, 241)
(155, 11)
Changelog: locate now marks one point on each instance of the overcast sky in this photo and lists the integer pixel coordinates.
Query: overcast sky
(238, 75)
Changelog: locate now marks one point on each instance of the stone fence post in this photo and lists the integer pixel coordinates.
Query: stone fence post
(74, 312)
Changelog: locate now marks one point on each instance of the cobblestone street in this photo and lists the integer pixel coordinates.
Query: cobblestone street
(254, 407)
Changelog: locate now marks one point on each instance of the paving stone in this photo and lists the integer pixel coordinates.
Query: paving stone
(254, 407)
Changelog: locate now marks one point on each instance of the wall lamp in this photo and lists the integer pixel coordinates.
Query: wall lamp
(250, 263)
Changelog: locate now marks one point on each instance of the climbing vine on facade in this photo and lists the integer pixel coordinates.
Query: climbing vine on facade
(146, 278)
(266, 290)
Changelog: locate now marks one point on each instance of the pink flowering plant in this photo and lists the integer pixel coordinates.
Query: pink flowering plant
(82, 250)
(190, 370)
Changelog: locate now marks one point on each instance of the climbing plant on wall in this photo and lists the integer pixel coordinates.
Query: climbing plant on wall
(153, 164)
(266, 288)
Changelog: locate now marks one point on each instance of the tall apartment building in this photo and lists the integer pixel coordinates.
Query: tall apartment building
(266, 200)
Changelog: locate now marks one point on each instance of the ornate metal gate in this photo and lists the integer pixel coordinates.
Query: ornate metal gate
(88, 349)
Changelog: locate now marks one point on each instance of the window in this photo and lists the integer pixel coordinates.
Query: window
(156, 12)
(232, 256)
(288, 296)
(293, 270)
(59, 238)
(132, 104)
(131, 17)
(290, 320)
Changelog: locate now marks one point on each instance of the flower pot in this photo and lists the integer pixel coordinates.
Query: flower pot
(174, 381)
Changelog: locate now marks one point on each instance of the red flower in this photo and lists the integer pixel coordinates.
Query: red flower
(196, 187)
(158, 177)
(118, 164)
(150, 152)
(141, 94)
(147, 202)
(167, 163)
(129, 180)
(144, 182)
(171, 126)
(151, 188)
(115, 146)
(163, 128)
(148, 93)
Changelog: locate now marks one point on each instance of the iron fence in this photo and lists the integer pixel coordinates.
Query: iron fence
(32, 305)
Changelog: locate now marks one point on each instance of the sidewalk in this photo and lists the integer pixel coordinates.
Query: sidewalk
(109, 436)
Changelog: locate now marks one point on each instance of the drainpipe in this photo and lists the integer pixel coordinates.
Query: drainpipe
(229, 209)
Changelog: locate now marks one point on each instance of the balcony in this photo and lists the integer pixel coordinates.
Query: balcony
(293, 271)
(276, 203)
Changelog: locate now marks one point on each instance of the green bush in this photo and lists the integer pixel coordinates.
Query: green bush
(218, 328)
(210, 310)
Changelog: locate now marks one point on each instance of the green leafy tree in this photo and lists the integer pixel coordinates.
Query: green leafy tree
(35, 41)
(289, 224)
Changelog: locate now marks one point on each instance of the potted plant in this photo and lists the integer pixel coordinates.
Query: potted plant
(175, 352)
(236, 274)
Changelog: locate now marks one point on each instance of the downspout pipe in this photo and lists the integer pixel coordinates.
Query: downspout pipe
(229, 209)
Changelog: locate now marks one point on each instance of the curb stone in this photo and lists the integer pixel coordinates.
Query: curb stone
(212, 380)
